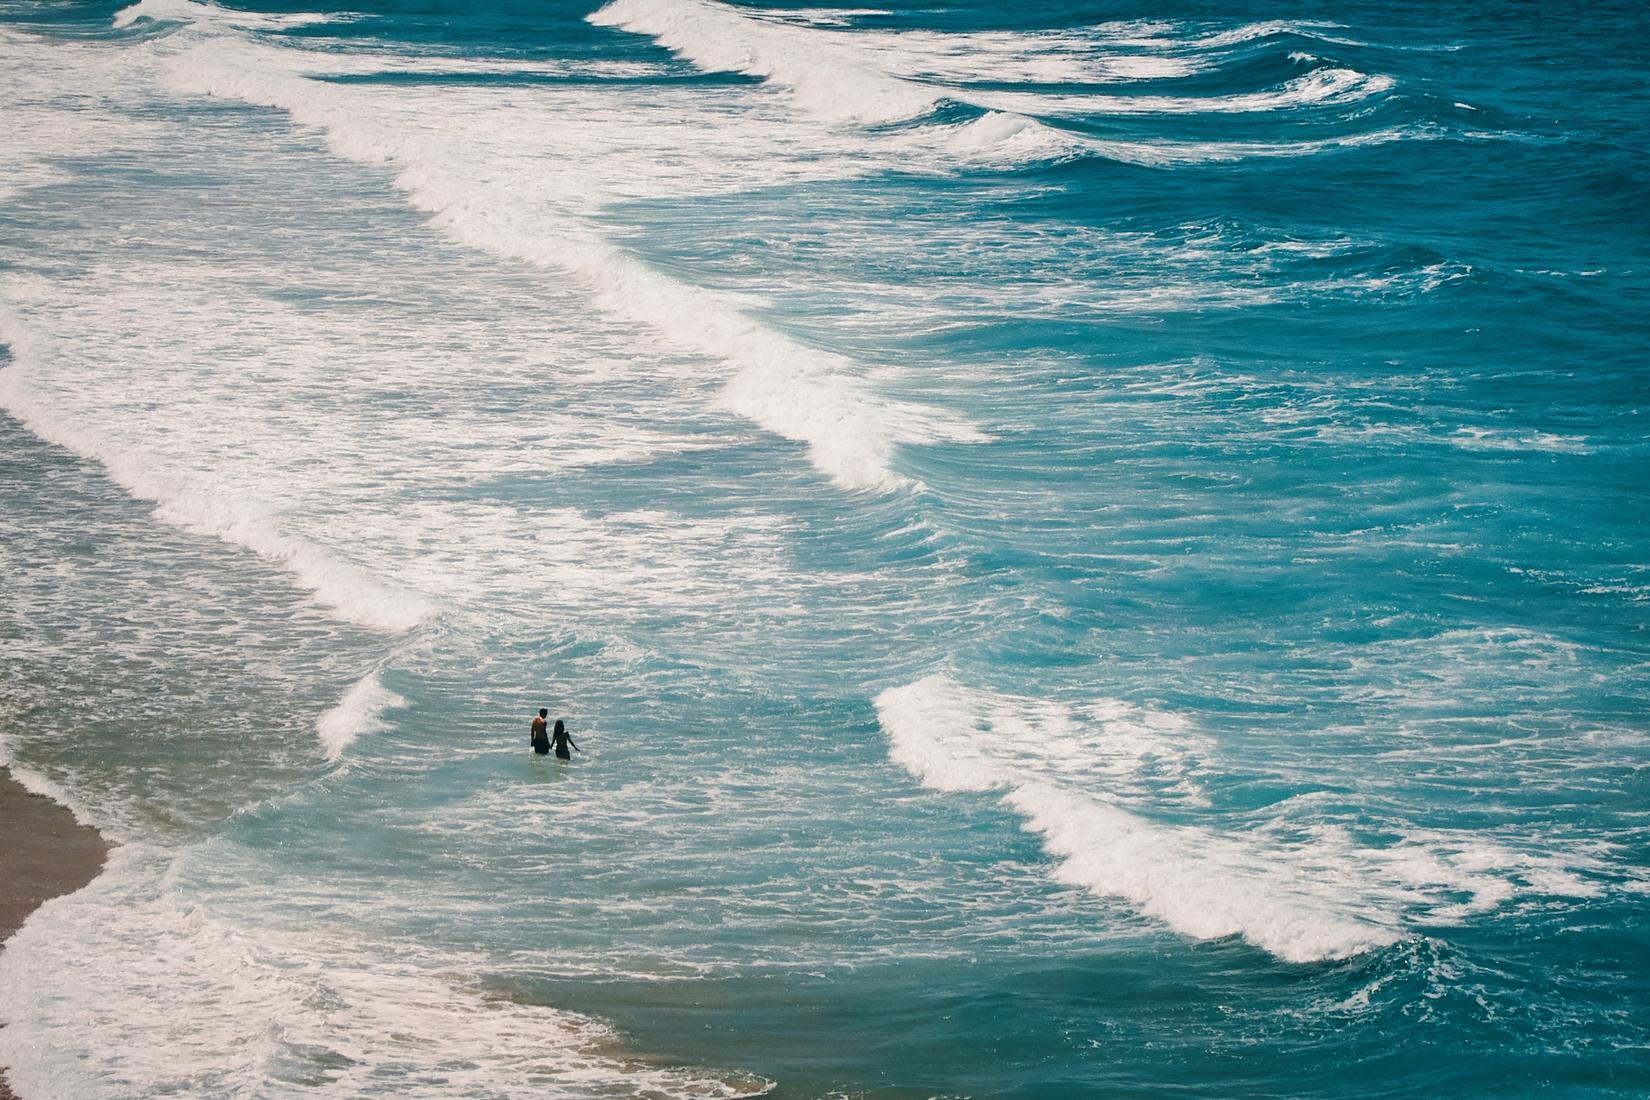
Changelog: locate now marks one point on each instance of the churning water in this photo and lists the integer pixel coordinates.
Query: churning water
(1090, 551)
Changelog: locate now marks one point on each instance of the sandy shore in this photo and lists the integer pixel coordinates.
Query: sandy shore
(44, 852)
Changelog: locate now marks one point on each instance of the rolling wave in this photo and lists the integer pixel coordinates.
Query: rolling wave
(1093, 782)
(818, 398)
(189, 502)
(879, 79)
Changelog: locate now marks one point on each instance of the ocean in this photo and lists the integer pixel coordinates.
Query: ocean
(1089, 550)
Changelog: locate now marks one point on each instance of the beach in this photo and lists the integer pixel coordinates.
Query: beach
(47, 853)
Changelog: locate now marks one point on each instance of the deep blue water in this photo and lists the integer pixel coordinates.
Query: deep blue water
(1090, 551)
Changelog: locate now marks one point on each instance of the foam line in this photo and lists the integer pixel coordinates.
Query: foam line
(1200, 883)
(1323, 86)
(186, 11)
(132, 987)
(360, 711)
(826, 78)
(1298, 885)
(36, 783)
(347, 591)
(875, 78)
(1186, 36)
(815, 397)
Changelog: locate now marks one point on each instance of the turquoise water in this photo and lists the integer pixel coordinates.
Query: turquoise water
(1089, 551)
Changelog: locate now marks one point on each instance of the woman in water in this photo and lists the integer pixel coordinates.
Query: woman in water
(562, 740)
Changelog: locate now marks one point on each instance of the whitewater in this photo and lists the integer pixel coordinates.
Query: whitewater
(1079, 552)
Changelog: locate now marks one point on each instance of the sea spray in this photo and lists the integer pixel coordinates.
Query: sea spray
(361, 710)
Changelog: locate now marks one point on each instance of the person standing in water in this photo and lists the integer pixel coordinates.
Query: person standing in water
(560, 736)
(541, 739)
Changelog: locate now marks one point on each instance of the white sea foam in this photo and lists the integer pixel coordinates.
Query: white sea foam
(1200, 883)
(37, 783)
(178, 999)
(1193, 36)
(361, 710)
(1004, 134)
(1469, 438)
(827, 76)
(957, 739)
(1170, 153)
(960, 59)
(21, 175)
(815, 397)
(1321, 87)
(830, 17)
(184, 501)
(187, 11)
(392, 398)
(1492, 439)
(50, 121)
(880, 77)
(1301, 890)
(1009, 138)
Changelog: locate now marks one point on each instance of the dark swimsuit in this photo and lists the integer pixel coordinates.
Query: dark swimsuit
(561, 748)
(541, 739)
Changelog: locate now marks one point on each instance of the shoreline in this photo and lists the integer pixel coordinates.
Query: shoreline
(46, 853)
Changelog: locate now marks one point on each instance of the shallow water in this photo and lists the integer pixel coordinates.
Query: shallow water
(1095, 552)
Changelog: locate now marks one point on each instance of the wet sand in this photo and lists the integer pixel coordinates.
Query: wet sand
(44, 852)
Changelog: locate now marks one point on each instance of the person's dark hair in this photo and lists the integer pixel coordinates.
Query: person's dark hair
(544, 712)
(561, 727)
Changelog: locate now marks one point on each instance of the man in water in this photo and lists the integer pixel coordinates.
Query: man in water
(560, 736)
(541, 739)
